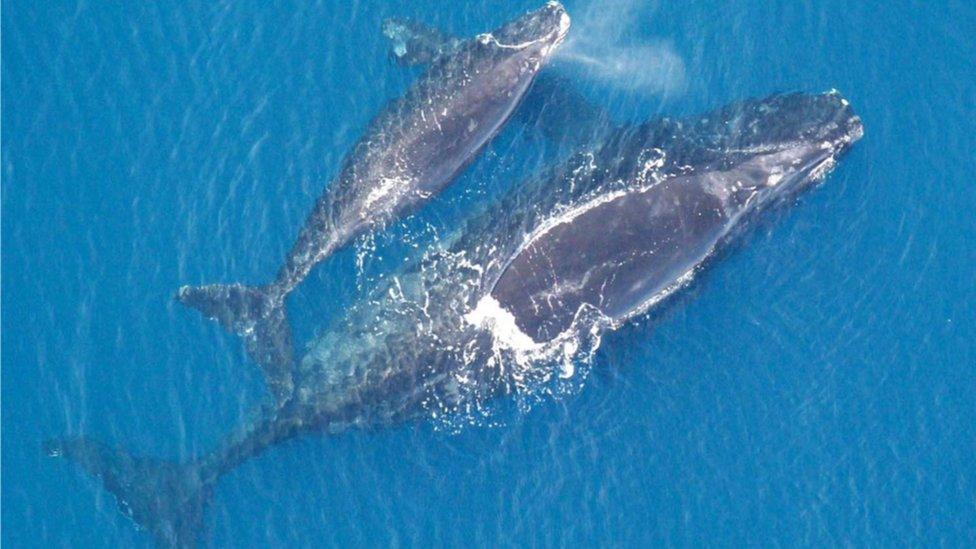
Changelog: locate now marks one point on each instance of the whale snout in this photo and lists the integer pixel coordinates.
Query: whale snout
(832, 130)
(853, 132)
(558, 12)
(547, 26)
(841, 127)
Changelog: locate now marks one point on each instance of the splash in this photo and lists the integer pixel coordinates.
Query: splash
(534, 369)
(489, 312)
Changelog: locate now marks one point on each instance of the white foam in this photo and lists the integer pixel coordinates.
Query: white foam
(569, 215)
(490, 314)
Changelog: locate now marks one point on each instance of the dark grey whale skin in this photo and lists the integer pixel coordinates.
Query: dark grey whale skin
(620, 251)
(406, 352)
(411, 151)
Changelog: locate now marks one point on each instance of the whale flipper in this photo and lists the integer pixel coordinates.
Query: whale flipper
(414, 43)
(166, 498)
(251, 312)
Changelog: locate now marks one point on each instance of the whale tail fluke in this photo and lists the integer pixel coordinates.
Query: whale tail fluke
(166, 498)
(253, 313)
(238, 308)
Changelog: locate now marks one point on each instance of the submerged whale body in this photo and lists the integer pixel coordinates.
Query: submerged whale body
(413, 149)
(538, 274)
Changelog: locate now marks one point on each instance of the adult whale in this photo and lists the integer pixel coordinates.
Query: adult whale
(413, 149)
(620, 251)
(610, 233)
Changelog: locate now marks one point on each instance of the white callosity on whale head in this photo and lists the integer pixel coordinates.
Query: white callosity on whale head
(562, 28)
(564, 21)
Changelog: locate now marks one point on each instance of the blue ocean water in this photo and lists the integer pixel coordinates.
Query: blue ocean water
(816, 387)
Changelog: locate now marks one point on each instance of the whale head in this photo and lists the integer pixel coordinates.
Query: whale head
(535, 34)
(640, 237)
(780, 146)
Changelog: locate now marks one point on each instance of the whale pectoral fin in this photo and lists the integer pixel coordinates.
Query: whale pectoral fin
(414, 43)
(166, 498)
(250, 312)
(563, 114)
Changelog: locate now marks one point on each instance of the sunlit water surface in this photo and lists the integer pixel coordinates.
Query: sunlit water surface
(815, 387)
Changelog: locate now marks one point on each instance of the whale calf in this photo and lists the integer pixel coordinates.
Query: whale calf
(524, 284)
(413, 149)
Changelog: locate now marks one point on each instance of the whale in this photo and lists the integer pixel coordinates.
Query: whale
(517, 294)
(617, 250)
(411, 151)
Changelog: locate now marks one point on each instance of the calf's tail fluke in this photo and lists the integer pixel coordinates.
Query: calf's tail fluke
(166, 498)
(238, 308)
(257, 314)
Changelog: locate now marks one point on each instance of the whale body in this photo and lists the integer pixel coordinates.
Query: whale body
(580, 249)
(411, 151)
(616, 251)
